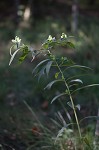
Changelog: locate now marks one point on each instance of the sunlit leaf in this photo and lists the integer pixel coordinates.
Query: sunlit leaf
(77, 80)
(11, 50)
(12, 57)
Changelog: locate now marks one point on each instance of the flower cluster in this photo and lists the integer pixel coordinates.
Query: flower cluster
(50, 38)
(16, 41)
(63, 36)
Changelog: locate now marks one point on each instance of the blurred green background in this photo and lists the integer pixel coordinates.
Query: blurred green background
(33, 21)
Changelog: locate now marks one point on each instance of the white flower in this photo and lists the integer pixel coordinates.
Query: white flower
(16, 41)
(50, 38)
(63, 36)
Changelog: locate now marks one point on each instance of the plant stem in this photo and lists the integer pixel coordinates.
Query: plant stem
(73, 106)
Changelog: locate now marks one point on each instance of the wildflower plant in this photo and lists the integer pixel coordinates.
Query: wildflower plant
(63, 64)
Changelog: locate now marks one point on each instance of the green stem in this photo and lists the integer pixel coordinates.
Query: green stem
(73, 106)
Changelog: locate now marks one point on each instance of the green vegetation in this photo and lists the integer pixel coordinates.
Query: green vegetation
(18, 83)
(70, 82)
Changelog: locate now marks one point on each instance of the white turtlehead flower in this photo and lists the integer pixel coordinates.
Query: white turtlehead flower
(17, 40)
(50, 38)
(63, 36)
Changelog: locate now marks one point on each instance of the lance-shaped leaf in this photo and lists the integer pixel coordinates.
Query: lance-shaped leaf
(78, 66)
(48, 66)
(41, 73)
(87, 86)
(62, 119)
(11, 50)
(39, 65)
(68, 115)
(58, 96)
(60, 133)
(72, 85)
(12, 57)
(77, 80)
(51, 83)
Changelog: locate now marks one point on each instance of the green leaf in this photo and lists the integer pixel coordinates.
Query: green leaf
(85, 139)
(77, 80)
(12, 57)
(23, 56)
(62, 119)
(60, 133)
(51, 83)
(70, 44)
(39, 65)
(78, 66)
(68, 115)
(45, 69)
(78, 75)
(25, 52)
(41, 73)
(48, 66)
(72, 85)
(56, 97)
(45, 46)
(87, 86)
(68, 62)
(11, 50)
